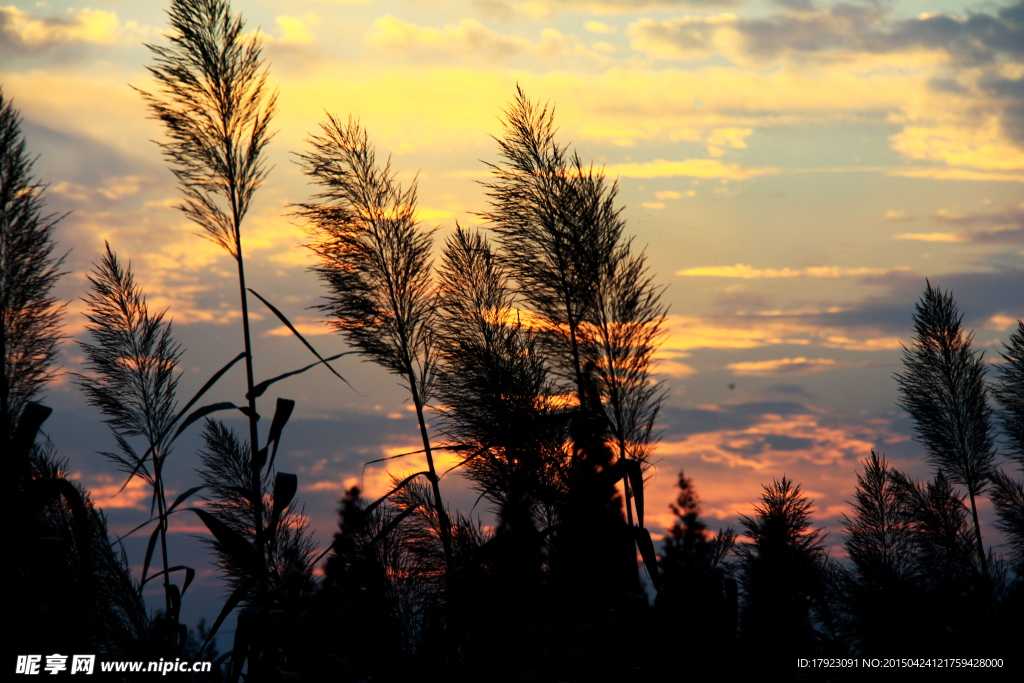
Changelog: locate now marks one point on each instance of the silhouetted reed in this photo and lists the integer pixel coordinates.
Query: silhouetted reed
(30, 316)
(213, 103)
(374, 261)
(131, 377)
(943, 388)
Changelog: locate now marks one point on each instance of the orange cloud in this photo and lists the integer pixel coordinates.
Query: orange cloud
(729, 466)
(106, 493)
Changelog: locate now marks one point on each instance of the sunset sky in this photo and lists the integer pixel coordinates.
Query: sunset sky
(796, 169)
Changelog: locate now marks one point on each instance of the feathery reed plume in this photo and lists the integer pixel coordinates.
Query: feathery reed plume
(1008, 493)
(131, 364)
(374, 262)
(556, 225)
(495, 384)
(943, 389)
(225, 473)
(212, 98)
(29, 316)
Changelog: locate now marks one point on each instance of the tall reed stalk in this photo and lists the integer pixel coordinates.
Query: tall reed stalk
(213, 100)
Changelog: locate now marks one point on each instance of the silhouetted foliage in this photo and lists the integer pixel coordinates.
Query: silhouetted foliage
(1007, 492)
(943, 389)
(29, 315)
(225, 473)
(879, 536)
(885, 593)
(496, 387)
(782, 572)
(598, 318)
(554, 234)
(1009, 394)
(77, 589)
(697, 606)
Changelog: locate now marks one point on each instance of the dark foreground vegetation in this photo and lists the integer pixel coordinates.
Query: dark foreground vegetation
(537, 340)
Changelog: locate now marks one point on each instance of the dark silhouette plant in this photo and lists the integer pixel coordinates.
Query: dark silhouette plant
(374, 261)
(1007, 492)
(781, 572)
(212, 99)
(943, 389)
(131, 377)
(30, 316)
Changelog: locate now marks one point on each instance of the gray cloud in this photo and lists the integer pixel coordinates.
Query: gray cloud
(682, 422)
(976, 40)
(979, 296)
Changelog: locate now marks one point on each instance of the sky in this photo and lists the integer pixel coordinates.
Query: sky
(794, 169)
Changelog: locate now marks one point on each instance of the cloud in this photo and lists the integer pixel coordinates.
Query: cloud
(945, 173)
(900, 216)
(23, 34)
(749, 331)
(694, 168)
(734, 138)
(782, 366)
(598, 27)
(308, 327)
(749, 272)
(978, 147)
(992, 226)
(467, 39)
(543, 8)
(979, 295)
(683, 38)
(732, 450)
(930, 236)
(106, 492)
(971, 116)
(296, 30)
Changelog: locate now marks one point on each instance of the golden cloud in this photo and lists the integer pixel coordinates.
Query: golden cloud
(468, 38)
(694, 168)
(979, 147)
(783, 366)
(29, 32)
(931, 236)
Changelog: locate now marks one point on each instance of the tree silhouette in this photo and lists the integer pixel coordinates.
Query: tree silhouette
(697, 605)
(29, 315)
(879, 538)
(782, 574)
(943, 390)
